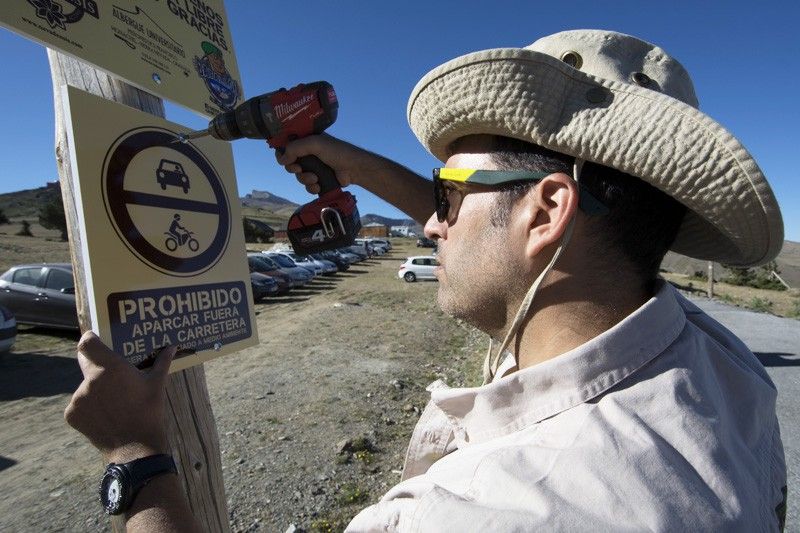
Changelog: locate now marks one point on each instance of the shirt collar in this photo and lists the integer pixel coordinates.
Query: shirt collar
(533, 394)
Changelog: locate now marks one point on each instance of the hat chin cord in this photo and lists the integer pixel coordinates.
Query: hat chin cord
(493, 360)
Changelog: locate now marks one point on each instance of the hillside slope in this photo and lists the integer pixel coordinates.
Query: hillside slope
(788, 264)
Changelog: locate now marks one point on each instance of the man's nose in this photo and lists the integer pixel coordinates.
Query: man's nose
(435, 229)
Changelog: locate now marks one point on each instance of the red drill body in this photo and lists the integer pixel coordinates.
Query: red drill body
(331, 221)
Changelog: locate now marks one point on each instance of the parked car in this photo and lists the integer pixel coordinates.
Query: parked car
(360, 251)
(300, 275)
(8, 330)
(424, 242)
(418, 267)
(263, 265)
(383, 242)
(369, 247)
(305, 262)
(323, 266)
(41, 294)
(378, 248)
(330, 259)
(350, 256)
(263, 286)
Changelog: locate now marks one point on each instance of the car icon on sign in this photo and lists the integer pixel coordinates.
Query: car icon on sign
(172, 173)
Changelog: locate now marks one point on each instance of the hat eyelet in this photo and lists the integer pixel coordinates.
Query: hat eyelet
(641, 79)
(573, 59)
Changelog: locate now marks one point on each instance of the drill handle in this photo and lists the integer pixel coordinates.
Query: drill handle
(325, 174)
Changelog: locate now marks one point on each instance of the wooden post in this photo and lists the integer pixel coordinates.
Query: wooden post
(190, 421)
(710, 289)
(780, 279)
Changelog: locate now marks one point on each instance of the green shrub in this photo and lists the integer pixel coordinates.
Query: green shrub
(760, 304)
(758, 278)
(51, 216)
(699, 275)
(794, 311)
(351, 493)
(25, 231)
(728, 298)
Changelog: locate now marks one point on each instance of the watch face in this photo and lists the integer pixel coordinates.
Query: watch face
(111, 493)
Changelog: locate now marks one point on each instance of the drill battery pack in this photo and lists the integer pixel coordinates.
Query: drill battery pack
(331, 221)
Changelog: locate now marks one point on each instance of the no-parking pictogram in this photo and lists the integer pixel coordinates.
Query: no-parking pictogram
(166, 201)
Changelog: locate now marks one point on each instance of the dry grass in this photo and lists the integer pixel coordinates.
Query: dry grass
(45, 246)
(780, 303)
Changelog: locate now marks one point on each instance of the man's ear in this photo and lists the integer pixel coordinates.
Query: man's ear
(547, 211)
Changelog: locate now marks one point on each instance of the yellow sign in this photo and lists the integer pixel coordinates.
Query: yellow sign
(177, 49)
(161, 234)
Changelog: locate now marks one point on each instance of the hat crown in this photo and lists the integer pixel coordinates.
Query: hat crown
(619, 57)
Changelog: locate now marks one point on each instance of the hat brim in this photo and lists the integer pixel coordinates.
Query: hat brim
(732, 215)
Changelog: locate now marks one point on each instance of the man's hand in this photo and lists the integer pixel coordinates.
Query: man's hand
(119, 408)
(350, 163)
(383, 177)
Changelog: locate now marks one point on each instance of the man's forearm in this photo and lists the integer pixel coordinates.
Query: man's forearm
(404, 189)
(391, 181)
(161, 506)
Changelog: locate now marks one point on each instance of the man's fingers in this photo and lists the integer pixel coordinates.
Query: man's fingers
(95, 353)
(307, 178)
(293, 168)
(163, 360)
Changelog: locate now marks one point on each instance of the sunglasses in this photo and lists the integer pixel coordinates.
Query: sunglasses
(450, 186)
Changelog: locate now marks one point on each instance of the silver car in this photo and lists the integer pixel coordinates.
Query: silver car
(41, 294)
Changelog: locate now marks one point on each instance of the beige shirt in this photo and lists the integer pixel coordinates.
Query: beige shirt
(666, 422)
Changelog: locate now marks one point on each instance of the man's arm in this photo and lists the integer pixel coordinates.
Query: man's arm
(406, 190)
(121, 410)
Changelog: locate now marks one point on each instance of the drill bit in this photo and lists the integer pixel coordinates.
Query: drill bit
(184, 137)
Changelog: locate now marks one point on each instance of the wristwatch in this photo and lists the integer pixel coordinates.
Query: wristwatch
(121, 482)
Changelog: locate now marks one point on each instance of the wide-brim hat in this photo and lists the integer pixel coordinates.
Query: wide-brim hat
(620, 102)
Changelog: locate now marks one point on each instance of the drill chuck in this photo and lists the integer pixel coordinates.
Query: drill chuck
(252, 118)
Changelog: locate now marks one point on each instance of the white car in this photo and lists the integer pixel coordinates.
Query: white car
(418, 267)
(372, 248)
(306, 262)
(383, 242)
(8, 330)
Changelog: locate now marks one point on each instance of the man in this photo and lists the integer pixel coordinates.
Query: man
(611, 403)
(178, 231)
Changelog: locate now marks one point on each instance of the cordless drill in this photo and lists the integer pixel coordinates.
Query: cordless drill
(330, 221)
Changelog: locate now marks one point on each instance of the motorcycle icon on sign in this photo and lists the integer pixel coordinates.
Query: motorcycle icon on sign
(179, 236)
(172, 173)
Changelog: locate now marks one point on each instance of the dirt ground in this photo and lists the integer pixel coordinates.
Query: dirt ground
(346, 358)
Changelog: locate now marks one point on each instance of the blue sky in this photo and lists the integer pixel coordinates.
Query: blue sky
(743, 58)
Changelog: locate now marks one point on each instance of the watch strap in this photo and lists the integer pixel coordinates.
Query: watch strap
(142, 470)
